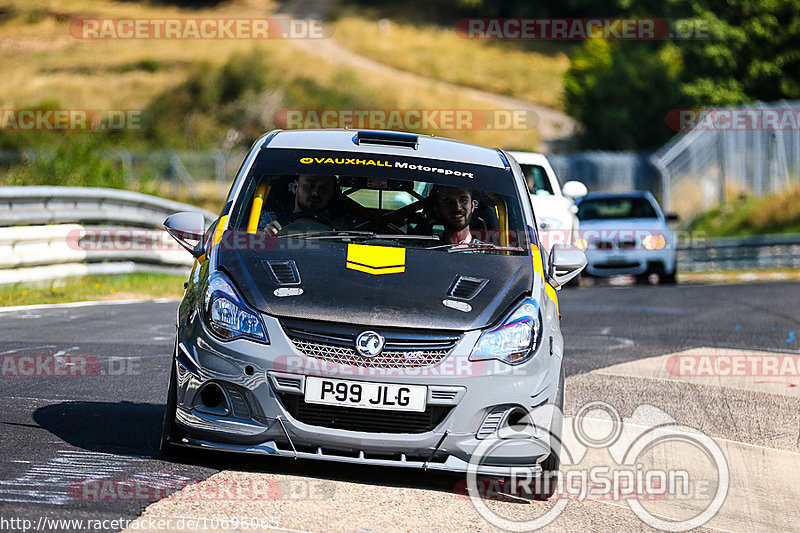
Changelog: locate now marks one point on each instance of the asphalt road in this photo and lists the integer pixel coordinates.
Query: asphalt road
(99, 416)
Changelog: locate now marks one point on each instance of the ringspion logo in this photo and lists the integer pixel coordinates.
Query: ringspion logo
(607, 458)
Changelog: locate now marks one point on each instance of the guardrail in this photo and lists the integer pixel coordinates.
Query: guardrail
(59, 205)
(762, 252)
(130, 239)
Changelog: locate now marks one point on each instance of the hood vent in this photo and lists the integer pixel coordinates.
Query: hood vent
(466, 288)
(285, 272)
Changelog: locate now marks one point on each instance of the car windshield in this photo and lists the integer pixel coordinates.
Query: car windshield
(536, 178)
(616, 207)
(385, 200)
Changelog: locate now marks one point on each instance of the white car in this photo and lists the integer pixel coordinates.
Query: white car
(627, 234)
(553, 206)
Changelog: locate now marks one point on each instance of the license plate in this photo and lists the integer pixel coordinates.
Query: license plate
(366, 394)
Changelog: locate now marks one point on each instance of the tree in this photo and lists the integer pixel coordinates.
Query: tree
(622, 91)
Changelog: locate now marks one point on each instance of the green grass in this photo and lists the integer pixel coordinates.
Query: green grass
(100, 287)
(744, 216)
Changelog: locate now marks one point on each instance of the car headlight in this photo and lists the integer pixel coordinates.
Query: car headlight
(514, 340)
(226, 313)
(654, 241)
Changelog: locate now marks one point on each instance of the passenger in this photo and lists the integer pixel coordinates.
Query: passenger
(454, 206)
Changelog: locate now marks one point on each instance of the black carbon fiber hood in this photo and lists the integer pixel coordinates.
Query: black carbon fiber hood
(333, 291)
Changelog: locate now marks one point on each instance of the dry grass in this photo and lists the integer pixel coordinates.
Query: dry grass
(439, 53)
(42, 62)
(774, 213)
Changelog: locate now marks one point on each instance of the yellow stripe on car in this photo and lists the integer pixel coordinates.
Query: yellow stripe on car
(376, 260)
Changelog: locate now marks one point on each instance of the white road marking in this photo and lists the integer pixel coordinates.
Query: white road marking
(696, 366)
(50, 482)
(71, 305)
(55, 481)
(28, 348)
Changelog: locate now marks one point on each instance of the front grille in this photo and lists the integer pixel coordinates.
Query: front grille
(336, 343)
(238, 403)
(289, 383)
(364, 420)
(444, 394)
(492, 422)
(620, 264)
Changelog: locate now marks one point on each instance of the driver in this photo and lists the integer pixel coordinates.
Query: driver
(454, 206)
(313, 194)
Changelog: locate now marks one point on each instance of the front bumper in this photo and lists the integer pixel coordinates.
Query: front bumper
(629, 262)
(263, 386)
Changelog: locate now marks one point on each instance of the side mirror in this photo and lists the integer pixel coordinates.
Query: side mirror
(565, 262)
(574, 189)
(186, 227)
(672, 217)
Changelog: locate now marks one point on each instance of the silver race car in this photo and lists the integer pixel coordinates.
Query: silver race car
(371, 297)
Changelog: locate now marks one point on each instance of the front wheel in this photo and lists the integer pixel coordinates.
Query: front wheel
(551, 465)
(168, 428)
(544, 487)
(670, 279)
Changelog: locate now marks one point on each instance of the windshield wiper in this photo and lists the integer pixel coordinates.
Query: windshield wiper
(404, 236)
(482, 246)
(331, 234)
(367, 235)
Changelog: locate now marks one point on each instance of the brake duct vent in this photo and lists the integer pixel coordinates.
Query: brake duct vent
(285, 272)
(466, 288)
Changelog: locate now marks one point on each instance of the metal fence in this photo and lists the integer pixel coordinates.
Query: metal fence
(696, 170)
(608, 171)
(183, 173)
(706, 165)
